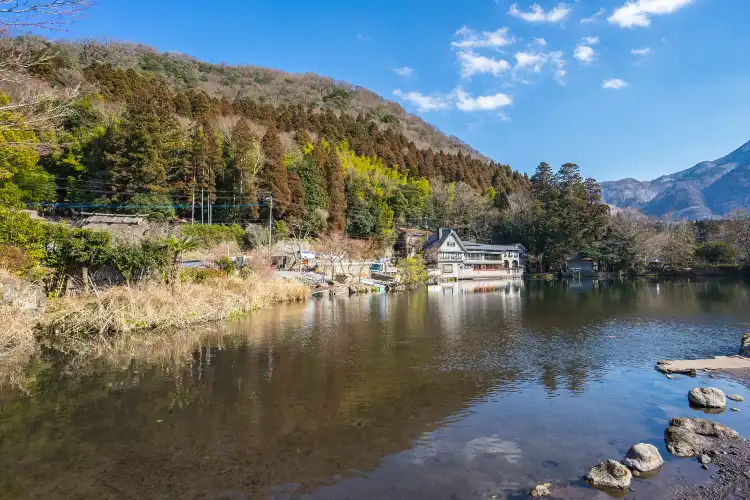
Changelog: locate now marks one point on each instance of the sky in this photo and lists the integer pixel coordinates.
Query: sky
(623, 88)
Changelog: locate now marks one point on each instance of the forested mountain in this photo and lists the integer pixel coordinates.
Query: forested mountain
(709, 189)
(169, 132)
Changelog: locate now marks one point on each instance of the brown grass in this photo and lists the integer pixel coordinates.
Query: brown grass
(125, 309)
(17, 343)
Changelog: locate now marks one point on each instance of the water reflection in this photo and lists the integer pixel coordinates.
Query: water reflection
(463, 389)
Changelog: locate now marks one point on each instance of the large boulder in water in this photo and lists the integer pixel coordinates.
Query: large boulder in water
(707, 397)
(643, 458)
(610, 474)
(745, 347)
(688, 437)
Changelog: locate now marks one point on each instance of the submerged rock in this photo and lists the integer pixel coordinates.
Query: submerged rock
(609, 474)
(688, 437)
(707, 397)
(704, 459)
(735, 397)
(745, 346)
(540, 490)
(643, 457)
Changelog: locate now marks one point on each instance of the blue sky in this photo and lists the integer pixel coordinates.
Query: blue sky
(635, 88)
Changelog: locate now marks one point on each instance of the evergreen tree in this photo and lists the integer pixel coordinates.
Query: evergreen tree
(274, 177)
(336, 193)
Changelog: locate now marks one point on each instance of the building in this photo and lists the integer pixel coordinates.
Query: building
(448, 257)
(580, 265)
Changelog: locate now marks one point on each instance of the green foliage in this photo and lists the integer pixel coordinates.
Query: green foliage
(208, 236)
(69, 248)
(18, 229)
(226, 264)
(200, 276)
(413, 272)
(158, 207)
(715, 252)
(137, 262)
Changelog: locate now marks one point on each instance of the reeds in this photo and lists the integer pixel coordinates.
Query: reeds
(150, 306)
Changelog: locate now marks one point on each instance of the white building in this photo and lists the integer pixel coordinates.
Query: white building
(450, 258)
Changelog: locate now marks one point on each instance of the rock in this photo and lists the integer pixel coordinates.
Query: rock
(643, 457)
(735, 409)
(670, 377)
(540, 490)
(704, 467)
(704, 459)
(666, 367)
(736, 397)
(745, 346)
(609, 474)
(636, 473)
(688, 437)
(22, 295)
(707, 397)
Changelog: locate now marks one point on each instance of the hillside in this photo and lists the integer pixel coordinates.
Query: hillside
(264, 85)
(167, 133)
(709, 189)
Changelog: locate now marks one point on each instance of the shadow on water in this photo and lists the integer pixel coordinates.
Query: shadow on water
(463, 389)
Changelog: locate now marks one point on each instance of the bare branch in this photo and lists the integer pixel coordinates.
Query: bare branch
(38, 14)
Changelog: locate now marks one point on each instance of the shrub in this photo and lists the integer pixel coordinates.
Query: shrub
(200, 275)
(226, 264)
(208, 236)
(138, 262)
(413, 272)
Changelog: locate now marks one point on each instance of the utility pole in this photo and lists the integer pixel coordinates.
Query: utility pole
(270, 223)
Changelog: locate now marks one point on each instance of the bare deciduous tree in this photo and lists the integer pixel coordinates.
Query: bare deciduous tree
(738, 232)
(29, 103)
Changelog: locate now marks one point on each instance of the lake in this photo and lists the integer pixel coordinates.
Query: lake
(471, 390)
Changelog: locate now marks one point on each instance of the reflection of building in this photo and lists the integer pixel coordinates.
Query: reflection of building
(448, 257)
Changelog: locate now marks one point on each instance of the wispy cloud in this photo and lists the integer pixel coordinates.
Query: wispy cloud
(465, 102)
(472, 64)
(538, 15)
(614, 83)
(540, 41)
(406, 71)
(424, 102)
(535, 62)
(638, 13)
(594, 18)
(584, 51)
(458, 99)
(362, 37)
(471, 39)
(504, 116)
(641, 52)
(585, 54)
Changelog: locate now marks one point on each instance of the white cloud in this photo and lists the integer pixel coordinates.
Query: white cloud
(406, 71)
(594, 18)
(540, 41)
(424, 102)
(638, 13)
(458, 98)
(585, 54)
(641, 52)
(472, 64)
(614, 83)
(504, 116)
(538, 15)
(465, 102)
(536, 61)
(591, 40)
(487, 39)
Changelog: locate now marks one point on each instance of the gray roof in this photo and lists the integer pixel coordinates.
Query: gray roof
(473, 246)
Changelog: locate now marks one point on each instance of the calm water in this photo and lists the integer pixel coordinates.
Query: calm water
(459, 391)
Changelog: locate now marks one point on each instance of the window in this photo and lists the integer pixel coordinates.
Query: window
(447, 268)
(451, 243)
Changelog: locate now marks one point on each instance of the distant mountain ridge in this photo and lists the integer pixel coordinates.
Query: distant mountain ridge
(709, 189)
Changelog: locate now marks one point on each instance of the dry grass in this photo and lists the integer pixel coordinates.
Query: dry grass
(17, 343)
(125, 309)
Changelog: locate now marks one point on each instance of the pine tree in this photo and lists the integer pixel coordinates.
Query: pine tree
(274, 178)
(246, 161)
(298, 206)
(336, 193)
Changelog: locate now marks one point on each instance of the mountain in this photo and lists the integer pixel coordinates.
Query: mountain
(709, 189)
(263, 85)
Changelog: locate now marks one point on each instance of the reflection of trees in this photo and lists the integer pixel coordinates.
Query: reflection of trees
(299, 394)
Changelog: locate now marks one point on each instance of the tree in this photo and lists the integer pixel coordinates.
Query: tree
(274, 177)
(413, 272)
(246, 162)
(715, 252)
(738, 232)
(301, 229)
(336, 193)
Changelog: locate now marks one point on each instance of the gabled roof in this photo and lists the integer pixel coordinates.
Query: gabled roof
(437, 242)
